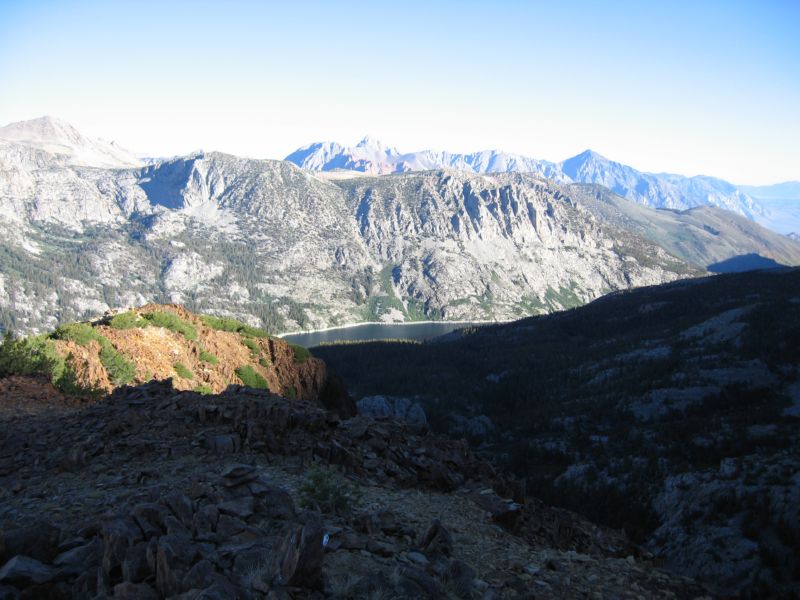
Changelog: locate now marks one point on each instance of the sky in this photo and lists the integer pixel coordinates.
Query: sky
(700, 87)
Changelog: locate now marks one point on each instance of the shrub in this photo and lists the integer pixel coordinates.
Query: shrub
(127, 320)
(250, 378)
(301, 354)
(208, 357)
(174, 323)
(232, 325)
(27, 356)
(252, 345)
(182, 371)
(38, 355)
(264, 362)
(290, 392)
(120, 370)
(80, 333)
(327, 491)
(204, 389)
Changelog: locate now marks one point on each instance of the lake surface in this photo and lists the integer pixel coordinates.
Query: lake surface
(377, 331)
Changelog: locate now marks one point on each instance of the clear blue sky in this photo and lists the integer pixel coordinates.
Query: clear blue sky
(688, 87)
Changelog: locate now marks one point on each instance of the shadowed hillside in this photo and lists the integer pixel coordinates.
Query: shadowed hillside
(670, 411)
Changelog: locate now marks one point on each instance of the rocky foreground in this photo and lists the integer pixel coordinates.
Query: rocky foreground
(154, 492)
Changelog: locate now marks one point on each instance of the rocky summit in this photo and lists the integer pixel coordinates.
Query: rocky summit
(156, 492)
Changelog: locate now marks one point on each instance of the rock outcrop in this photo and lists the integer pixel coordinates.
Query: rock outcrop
(156, 492)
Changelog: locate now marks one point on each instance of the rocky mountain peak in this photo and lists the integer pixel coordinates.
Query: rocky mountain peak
(58, 137)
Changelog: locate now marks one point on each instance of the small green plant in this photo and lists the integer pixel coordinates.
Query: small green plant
(120, 370)
(264, 362)
(250, 378)
(290, 392)
(325, 490)
(127, 320)
(174, 323)
(182, 371)
(254, 349)
(79, 333)
(204, 389)
(232, 325)
(301, 354)
(208, 357)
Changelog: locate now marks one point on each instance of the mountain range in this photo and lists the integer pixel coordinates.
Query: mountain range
(662, 190)
(285, 248)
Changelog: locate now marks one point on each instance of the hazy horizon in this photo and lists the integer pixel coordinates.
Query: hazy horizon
(684, 89)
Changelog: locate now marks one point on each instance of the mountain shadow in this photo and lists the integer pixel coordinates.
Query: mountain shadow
(744, 262)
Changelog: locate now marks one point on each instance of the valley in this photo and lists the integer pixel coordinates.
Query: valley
(595, 398)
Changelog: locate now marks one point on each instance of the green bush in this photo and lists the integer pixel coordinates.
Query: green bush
(120, 370)
(174, 323)
(300, 354)
(28, 356)
(328, 492)
(182, 371)
(127, 320)
(252, 345)
(204, 389)
(290, 392)
(208, 357)
(264, 362)
(250, 378)
(232, 325)
(80, 333)
(38, 355)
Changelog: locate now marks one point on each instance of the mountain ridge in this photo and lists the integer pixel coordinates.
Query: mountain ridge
(660, 190)
(59, 137)
(279, 247)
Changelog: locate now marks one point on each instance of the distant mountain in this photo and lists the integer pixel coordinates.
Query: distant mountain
(279, 247)
(61, 139)
(373, 157)
(657, 190)
(703, 235)
(781, 204)
(788, 190)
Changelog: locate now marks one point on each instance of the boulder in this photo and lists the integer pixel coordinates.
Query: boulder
(118, 535)
(200, 576)
(134, 591)
(437, 541)
(415, 583)
(401, 409)
(135, 567)
(23, 571)
(76, 560)
(301, 554)
(175, 555)
(240, 508)
(39, 541)
(460, 577)
(334, 397)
